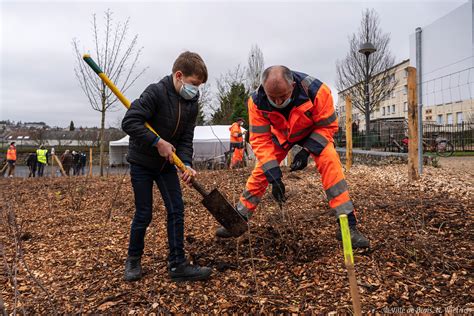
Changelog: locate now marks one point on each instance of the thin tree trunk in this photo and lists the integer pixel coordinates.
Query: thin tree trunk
(102, 128)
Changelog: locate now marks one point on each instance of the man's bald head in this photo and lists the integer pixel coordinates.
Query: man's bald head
(277, 75)
(278, 83)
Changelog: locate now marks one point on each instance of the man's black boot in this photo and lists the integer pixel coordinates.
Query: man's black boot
(358, 240)
(189, 272)
(133, 269)
(222, 232)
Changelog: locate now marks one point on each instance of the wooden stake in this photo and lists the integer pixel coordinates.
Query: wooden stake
(2, 172)
(348, 133)
(52, 166)
(412, 126)
(349, 261)
(59, 164)
(90, 162)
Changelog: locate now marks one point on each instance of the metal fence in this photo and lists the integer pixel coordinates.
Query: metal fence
(384, 132)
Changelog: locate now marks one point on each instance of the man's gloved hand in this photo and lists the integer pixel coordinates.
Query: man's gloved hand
(300, 161)
(278, 191)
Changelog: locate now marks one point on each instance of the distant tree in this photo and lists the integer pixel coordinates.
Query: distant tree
(255, 68)
(232, 97)
(71, 126)
(118, 58)
(205, 101)
(352, 70)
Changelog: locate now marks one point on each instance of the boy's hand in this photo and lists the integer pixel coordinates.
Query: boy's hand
(188, 175)
(165, 149)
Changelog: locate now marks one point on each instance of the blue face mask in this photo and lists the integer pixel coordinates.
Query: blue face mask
(188, 91)
(281, 106)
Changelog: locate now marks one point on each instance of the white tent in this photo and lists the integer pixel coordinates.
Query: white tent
(118, 151)
(210, 142)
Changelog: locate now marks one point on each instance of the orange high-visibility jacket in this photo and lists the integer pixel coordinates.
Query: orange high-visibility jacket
(11, 153)
(311, 122)
(235, 129)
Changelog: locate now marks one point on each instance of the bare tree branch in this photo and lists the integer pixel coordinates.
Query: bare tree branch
(255, 68)
(117, 57)
(352, 70)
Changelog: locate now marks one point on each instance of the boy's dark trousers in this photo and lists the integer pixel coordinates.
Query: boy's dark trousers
(170, 189)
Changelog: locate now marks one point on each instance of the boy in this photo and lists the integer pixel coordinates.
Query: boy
(170, 107)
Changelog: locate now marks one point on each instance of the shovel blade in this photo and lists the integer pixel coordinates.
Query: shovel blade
(225, 213)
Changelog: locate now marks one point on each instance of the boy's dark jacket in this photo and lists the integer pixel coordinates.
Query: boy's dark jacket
(172, 117)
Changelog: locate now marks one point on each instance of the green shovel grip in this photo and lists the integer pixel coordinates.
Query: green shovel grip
(87, 58)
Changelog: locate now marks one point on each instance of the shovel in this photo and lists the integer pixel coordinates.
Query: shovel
(215, 202)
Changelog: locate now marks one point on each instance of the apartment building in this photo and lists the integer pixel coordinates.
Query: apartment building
(393, 106)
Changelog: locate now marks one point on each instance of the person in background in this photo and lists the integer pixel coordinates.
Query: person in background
(42, 159)
(31, 162)
(75, 162)
(67, 161)
(236, 143)
(82, 163)
(11, 159)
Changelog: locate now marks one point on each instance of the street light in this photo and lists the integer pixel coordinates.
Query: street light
(367, 49)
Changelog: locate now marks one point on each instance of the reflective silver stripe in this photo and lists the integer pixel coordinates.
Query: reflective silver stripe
(306, 82)
(303, 131)
(245, 212)
(326, 121)
(336, 189)
(319, 138)
(269, 165)
(251, 198)
(236, 142)
(345, 208)
(259, 129)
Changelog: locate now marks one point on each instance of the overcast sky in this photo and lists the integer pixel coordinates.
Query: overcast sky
(37, 60)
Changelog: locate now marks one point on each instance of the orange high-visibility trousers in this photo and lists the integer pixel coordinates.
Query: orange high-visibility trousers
(332, 176)
(237, 157)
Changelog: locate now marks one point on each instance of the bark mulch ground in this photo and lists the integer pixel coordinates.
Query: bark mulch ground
(63, 244)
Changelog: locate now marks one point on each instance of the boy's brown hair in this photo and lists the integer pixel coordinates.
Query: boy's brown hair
(191, 64)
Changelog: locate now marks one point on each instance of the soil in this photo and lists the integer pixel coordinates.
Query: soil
(63, 242)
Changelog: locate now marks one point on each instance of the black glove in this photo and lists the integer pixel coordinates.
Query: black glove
(300, 161)
(278, 191)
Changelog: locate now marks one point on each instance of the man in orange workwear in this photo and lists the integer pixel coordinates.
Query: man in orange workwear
(11, 159)
(293, 108)
(236, 143)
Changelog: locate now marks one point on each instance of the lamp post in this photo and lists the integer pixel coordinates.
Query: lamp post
(367, 49)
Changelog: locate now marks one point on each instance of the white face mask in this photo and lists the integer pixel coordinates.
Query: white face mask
(188, 91)
(280, 106)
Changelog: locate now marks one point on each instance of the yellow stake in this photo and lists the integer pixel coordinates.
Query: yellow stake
(346, 239)
(349, 261)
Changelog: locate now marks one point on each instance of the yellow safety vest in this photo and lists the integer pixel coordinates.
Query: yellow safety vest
(41, 154)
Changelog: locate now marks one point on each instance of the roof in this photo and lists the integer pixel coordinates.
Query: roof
(202, 134)
(386, 70)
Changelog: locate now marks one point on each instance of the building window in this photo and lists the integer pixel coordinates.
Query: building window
(439, 119)
(383, 111)
(459, 118)
(405, 90)
(405, 73)
(393, 94)
(449, 118)
(405, 106)
(393, 108)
